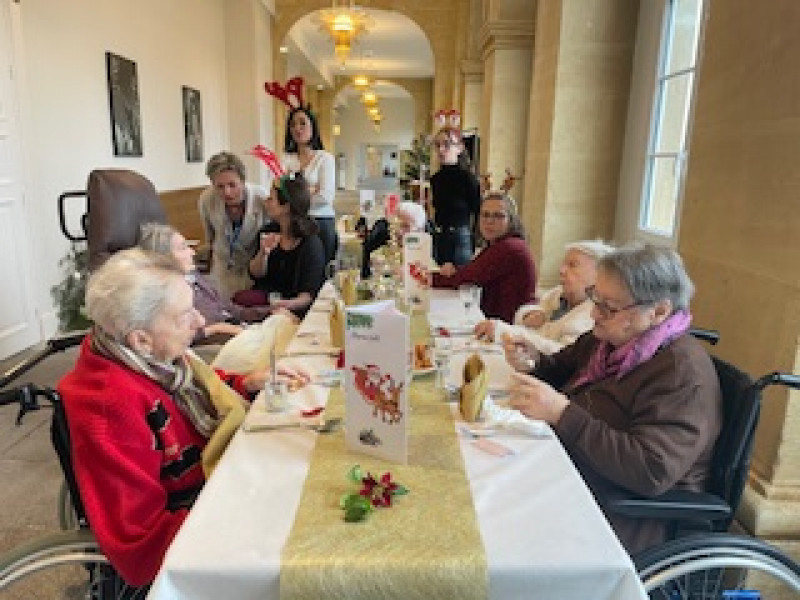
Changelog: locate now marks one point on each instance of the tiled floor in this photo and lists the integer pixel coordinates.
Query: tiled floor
(30, 473)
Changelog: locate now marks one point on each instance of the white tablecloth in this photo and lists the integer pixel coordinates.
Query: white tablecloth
(543, 533)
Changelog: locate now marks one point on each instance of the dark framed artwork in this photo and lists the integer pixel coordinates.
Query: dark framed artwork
(123, 96)
(193, 124)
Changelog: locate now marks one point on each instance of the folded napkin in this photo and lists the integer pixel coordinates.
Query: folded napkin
(501, 417)
(265, 421)
(473, 390)
(250, 350)
(346, 283)
(337, 324)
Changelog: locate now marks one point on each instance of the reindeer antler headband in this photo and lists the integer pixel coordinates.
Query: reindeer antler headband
(447, 118)
(505, 187)
(290, 94)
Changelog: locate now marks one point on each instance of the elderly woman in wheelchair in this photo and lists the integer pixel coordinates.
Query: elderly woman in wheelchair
(148, 419)
(636, 401)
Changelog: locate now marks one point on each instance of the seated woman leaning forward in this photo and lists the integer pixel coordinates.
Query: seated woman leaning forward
(564, 312)
(290, 262)
(148, 420)
(504, 268)
(636, 402)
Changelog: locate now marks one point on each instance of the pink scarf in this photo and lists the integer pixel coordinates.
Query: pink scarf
(608, 361)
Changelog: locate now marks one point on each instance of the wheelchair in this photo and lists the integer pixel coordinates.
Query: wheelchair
(69, 561)
(701, 560)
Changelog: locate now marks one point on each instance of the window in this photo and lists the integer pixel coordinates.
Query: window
(666, 154)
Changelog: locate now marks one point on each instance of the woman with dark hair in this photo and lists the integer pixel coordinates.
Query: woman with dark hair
(456, 199)
(504, 268)
(304, 154)
(291, 259)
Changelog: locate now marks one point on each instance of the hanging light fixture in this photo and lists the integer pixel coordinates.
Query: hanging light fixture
(344, 22)
(361, 82)
(369, 98)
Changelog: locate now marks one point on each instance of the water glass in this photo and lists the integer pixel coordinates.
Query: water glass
(276, 395)
(471, 296)
(442, 351)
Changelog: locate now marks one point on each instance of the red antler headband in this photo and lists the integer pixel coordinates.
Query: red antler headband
(269, 158)
(451, 118)
(291, 94)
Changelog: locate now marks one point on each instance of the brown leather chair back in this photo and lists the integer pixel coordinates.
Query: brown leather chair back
(119, 201)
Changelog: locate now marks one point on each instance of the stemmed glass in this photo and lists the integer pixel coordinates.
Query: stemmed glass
(470, 295)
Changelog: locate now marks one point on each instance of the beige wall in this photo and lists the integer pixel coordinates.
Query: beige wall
(740, 228)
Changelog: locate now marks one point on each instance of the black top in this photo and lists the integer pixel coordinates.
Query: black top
(456, 196)
(294, 271)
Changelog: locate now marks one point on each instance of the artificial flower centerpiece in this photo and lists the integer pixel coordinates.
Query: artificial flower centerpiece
(373, 493)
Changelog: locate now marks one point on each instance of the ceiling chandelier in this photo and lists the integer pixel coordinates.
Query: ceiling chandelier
(344, 22)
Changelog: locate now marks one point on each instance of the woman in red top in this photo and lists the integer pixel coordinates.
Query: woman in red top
(503, 268)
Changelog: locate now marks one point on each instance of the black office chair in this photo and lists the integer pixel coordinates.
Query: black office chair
(714, 509)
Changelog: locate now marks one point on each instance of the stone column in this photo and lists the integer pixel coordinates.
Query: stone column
(471, 90)
(577, 109)
(507, 58)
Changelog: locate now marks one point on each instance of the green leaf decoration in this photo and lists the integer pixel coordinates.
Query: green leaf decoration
(355, 474)
(400, 490)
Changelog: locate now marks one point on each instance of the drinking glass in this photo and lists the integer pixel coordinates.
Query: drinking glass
(470, 295)
(442, 350)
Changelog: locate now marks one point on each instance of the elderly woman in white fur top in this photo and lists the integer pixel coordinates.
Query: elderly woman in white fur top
(564, 312)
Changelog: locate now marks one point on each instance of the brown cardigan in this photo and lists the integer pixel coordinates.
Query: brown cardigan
(649, 432)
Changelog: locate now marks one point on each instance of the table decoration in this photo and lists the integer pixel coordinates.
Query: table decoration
(429, 546)
(372, 493)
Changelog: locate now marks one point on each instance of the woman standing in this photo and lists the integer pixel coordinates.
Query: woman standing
(232, 212)
(290, 258)
(304, 153)
(456, 199)
(504, 268)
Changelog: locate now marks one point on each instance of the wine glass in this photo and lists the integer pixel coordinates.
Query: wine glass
(442, 350)
(470, 295)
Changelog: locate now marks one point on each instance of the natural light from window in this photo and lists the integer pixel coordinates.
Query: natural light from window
(666, 156)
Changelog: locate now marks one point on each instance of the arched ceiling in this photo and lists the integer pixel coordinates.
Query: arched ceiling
(393, 47)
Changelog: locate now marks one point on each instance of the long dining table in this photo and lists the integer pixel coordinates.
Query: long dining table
(543, 534)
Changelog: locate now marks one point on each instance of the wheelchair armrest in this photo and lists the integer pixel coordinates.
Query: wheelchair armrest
(674, 505)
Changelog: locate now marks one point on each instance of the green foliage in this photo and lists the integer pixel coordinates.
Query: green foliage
(69, 296)
(416, 157)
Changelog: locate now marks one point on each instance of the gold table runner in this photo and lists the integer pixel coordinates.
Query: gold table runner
(427, 545)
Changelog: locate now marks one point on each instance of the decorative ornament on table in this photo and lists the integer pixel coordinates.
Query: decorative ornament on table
(373, 493)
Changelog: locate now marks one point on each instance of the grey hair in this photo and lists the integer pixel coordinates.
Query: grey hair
(595, 249)
(651, 273)
(417, 213)
(225, 161)
(156, 237)
(130, 289)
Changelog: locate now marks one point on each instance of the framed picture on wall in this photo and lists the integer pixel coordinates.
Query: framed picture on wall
(123, 96)
(193, 124)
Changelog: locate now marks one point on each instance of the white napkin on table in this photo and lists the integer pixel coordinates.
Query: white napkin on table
(510, 419)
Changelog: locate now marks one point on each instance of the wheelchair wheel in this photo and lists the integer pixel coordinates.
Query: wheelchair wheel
(711, 566)
(68, 564)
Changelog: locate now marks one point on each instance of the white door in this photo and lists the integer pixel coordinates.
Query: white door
(18, 328)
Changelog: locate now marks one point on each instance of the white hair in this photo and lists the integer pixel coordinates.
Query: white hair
(416, 212)
(130, 289)
(595, 249)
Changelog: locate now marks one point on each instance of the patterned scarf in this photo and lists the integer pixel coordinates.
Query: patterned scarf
(608, 361)
(175, 378)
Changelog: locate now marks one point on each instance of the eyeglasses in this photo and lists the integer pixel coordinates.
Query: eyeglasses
(604, 309)
(444, 143)
(494, 216)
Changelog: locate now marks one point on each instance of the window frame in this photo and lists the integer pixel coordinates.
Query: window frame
(652, 155)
